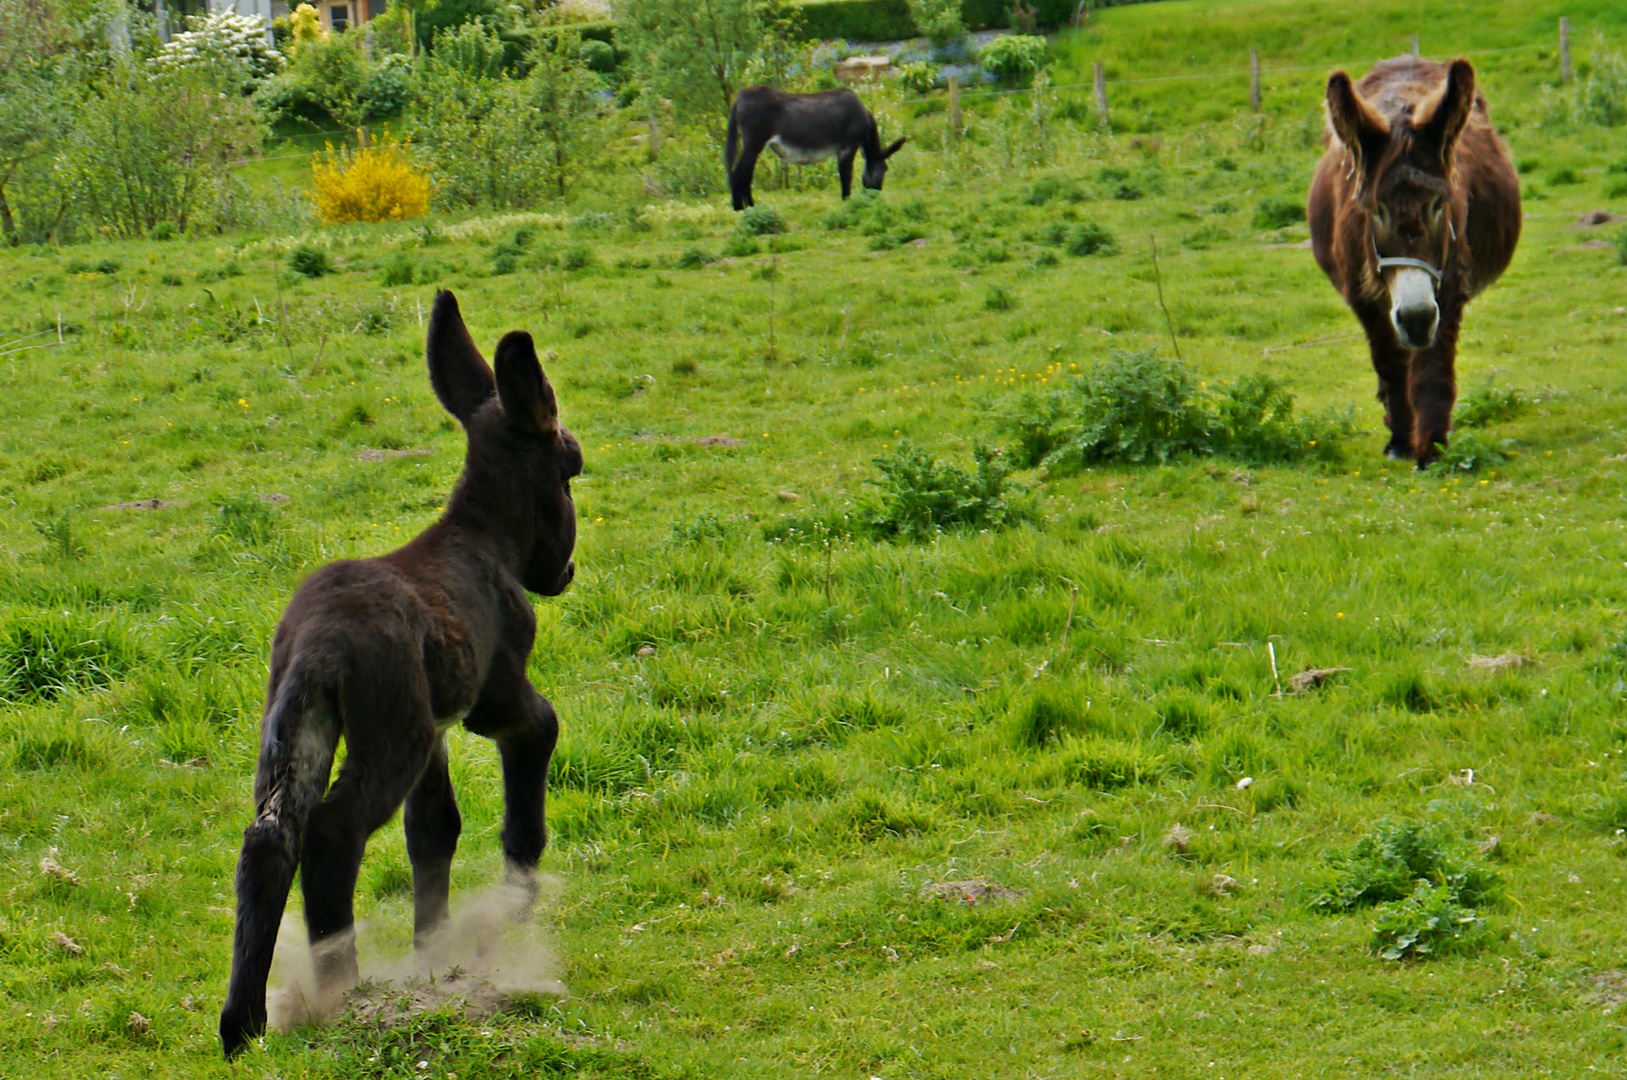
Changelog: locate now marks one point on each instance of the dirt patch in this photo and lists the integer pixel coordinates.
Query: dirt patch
(1594, 218)
(973, 891)
(1311, 678)
(144, 504)
(716, 440)
(390, 455)
(1609, 988)
(490, 951)
(275, 498)
(1499, 663)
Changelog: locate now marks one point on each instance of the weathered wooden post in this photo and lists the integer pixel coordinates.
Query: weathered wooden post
(1415, 45)
(1102, 117)
(1254, 78)
(1564, 50)
(955, 126)
(653, 145)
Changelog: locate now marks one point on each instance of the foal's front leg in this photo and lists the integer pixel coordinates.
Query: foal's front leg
(1433, 387)
(526, 728)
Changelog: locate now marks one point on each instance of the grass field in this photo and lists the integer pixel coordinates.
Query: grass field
(779, 730)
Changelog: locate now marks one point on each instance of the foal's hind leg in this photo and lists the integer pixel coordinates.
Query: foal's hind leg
(744, 168)
(386, 754)
(432, 824)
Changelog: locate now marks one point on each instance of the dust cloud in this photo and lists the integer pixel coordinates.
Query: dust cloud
(489, 951)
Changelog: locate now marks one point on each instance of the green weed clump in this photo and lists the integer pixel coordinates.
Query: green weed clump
(922, 497)
(1279, 212)
(761, 221)
(1426, 892)
(43, 656)
(309, 261)
(1489, 404)
(1139, 407)
(1429, 922)
(1089, 238)
(1470, 451)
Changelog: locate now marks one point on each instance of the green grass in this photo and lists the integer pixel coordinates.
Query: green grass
(777, 728)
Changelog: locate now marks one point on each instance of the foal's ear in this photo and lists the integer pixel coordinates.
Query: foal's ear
(528, 400)
(1443, 114)
(1360, 127)
(892, 148)
(457, 371)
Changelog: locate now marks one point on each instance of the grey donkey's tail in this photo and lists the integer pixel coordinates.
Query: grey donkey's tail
(297, 738)
(731, 144)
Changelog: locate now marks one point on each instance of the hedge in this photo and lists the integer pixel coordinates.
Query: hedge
(857, 20)
(889, 20)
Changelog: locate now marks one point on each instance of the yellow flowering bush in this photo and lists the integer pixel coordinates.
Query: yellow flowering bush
(306, 24)
(373, 183)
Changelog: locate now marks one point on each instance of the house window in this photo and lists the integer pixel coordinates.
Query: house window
(339, 16)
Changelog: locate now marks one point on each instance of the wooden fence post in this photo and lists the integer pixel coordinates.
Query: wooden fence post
(955, 127)
(1254, 78)
(1415, 45)
(1102, 117)
(1564, 50)
(654, 143)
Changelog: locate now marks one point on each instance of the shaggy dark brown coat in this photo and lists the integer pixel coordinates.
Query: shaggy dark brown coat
(1414, 209)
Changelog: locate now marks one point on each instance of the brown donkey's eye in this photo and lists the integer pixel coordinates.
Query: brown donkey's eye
(1381, 216)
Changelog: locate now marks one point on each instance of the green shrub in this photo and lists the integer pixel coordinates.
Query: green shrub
(312, 262)
(937, 19)
(693, 259)
(740, 244)
(1036, 421)
(1489, 404)
(1429, 922)
(599, 56)
(1011, 57)
(1279, 212)
(1253, 421)
(1601, 98)
(1137, 407)
(1089, 238)
(918, 77)
(998, 298)
(922, 497)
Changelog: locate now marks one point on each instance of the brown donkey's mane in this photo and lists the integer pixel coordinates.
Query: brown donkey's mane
(1415, 180)
(387, 653)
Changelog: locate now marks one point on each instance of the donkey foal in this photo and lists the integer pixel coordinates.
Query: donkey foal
(389, 652)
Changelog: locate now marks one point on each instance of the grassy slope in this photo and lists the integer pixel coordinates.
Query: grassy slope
(743, 821)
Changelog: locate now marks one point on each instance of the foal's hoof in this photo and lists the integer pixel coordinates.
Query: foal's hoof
(1396, 453)
(237, 1030)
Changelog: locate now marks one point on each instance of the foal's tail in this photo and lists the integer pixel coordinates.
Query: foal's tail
(731, 144)
(297, 738)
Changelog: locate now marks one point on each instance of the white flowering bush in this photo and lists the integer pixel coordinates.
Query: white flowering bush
(235, 48)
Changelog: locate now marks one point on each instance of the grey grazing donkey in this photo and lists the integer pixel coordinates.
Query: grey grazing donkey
(389, 652)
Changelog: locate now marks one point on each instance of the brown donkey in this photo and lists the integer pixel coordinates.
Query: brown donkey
(1414, 209)
(387, 653)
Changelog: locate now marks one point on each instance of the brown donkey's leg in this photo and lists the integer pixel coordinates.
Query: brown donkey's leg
(1390, 362)
(1434, 388)
(387, 752)
(432, 824)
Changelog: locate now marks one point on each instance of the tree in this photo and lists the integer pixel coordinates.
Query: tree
(35, 112)
(700, 53)
(565, 95)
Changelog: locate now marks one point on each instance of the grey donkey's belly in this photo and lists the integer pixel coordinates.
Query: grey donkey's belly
(799, 155)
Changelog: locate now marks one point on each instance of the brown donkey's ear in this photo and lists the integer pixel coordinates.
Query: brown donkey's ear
(528, 400)
(1360, 127)
(1443, 114)
(892, 148)
(457, 371)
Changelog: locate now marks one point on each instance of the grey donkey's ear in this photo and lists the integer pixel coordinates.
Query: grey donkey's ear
(528, 400)
(457, 371)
